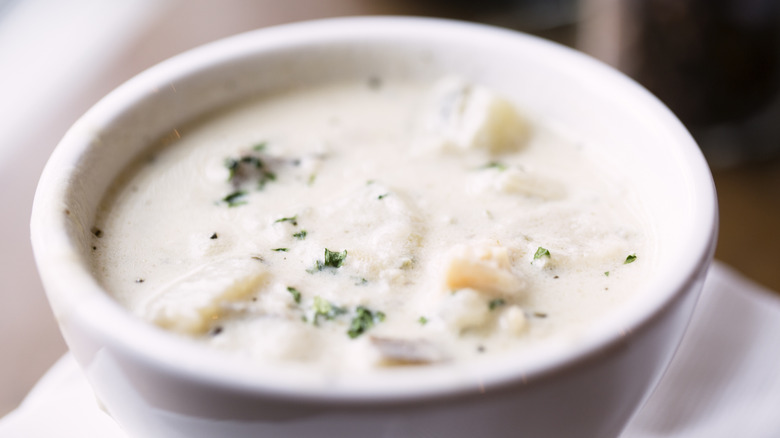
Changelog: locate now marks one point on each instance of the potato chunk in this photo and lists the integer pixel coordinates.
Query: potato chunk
(465, 310)
(513, 321)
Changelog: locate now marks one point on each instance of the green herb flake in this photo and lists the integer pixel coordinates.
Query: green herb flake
(240, 168)
(334, 259)
(264, 178)
(295, 293)
(380, 197)
(423, 320)
(249, 168)
(232, 167)
(326, 309)
(495, 165)
(235, 199)
(293, 220)
(630, 259)
(606, 273)
(260, 147)
(364, 319)
(541, 252)
(300, 235)
(280, 249)
(494, 304)
(251, 161)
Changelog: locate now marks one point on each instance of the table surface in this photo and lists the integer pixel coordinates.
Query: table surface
(748, 194)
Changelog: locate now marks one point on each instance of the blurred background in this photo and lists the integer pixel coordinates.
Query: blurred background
(715, 63)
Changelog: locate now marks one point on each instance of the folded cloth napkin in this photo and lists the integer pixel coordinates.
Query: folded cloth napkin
(723, 382)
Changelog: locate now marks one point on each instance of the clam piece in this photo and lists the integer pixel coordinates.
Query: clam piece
(463, 116)
(191, 303)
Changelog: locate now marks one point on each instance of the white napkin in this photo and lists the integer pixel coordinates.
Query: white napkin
(723, 382)
(725, 378)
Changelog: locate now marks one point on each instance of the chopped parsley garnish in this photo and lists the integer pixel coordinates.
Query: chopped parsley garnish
(248, 168)
(300, 235)
(423, 320)
(267, 176)
(630, 259)
(241, 168)
(495, 165)
(333, 259)
(293, 220)
(380, 197)
(541, 252)
(295, 293)
(364, 319)
(606, 273)
(321, 306)
(232, 167)
(235, 199)
(280, 249)
(326, 309)
(260, 147)
(494, 304)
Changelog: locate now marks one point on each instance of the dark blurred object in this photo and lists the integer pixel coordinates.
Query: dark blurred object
(716, 64)
(551, 19)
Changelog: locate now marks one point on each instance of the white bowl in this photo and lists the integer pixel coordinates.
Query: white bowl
(155, 385)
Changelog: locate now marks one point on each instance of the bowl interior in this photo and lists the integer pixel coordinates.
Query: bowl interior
(550, 83)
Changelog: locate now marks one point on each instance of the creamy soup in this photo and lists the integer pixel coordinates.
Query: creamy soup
(371, 225)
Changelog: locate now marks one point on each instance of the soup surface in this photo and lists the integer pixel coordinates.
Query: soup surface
(376, 224)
